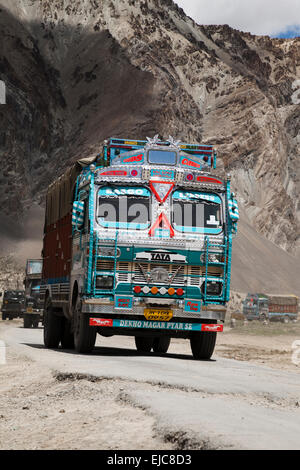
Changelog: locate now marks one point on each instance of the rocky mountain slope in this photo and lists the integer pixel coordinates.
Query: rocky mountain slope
(77, 72)
(11, 274)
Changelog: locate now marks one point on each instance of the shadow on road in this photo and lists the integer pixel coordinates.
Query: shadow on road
(115, 352)
(21, 327)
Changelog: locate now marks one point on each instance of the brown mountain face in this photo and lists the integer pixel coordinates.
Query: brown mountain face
(78, 72)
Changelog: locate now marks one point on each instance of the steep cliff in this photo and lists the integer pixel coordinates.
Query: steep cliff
(80, 71)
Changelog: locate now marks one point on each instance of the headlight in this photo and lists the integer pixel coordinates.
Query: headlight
(108, 251)
(104, 282)
(212, 257)
(212, 288)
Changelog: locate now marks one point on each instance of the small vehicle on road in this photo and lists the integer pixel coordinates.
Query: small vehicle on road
(13, 304)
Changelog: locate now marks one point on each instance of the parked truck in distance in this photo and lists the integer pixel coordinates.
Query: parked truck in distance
(33, 306)
(12, 304)
(138, 242)
(271, 307)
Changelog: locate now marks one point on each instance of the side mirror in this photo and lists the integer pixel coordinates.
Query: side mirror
(78, 215)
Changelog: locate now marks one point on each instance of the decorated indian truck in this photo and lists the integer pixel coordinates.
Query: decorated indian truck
(138, 241)
(271, 307)
(33, 306)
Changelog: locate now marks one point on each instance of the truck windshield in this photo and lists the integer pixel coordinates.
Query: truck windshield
(34, 266)
(13, 293)
(123, 208)
(197, 212)
(250, 302)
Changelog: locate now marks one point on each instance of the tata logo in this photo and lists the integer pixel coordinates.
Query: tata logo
(166, 256)
(160, 257)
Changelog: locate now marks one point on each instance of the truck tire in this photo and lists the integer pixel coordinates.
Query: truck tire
(53, 325)
(67, 340)
(161, 344)
(27, 321)
(3, 316)
(35, 323)
(203, 344)
(143, 344)
(84, 334)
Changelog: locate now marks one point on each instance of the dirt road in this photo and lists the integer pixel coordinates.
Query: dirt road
(117, 398)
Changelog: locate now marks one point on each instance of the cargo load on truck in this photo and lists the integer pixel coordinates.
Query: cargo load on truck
(138, 241)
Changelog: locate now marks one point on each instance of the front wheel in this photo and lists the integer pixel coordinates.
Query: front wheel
(161, 344)
(203, 344)
(84, 334)
(53, 324)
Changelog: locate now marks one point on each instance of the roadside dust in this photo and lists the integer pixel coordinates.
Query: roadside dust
(37, 411)
(41, 408)
(268, 344)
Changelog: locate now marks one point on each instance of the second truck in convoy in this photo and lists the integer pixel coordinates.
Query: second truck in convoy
(271, 307)
(138, 242)
(33, 306)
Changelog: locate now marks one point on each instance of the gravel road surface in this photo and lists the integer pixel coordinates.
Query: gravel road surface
(117, 398)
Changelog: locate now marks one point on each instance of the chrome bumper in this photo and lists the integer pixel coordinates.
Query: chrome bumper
(100, 306)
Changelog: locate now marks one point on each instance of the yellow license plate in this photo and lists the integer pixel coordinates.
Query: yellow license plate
(29, 310)
(158, 314)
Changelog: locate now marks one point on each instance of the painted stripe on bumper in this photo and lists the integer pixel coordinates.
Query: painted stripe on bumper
(104, 322)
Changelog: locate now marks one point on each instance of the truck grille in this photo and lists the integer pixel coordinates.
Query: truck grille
(134, 272)
(176, 273)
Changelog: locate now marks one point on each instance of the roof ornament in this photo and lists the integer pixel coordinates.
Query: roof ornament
(152, 141)
(173, 142)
